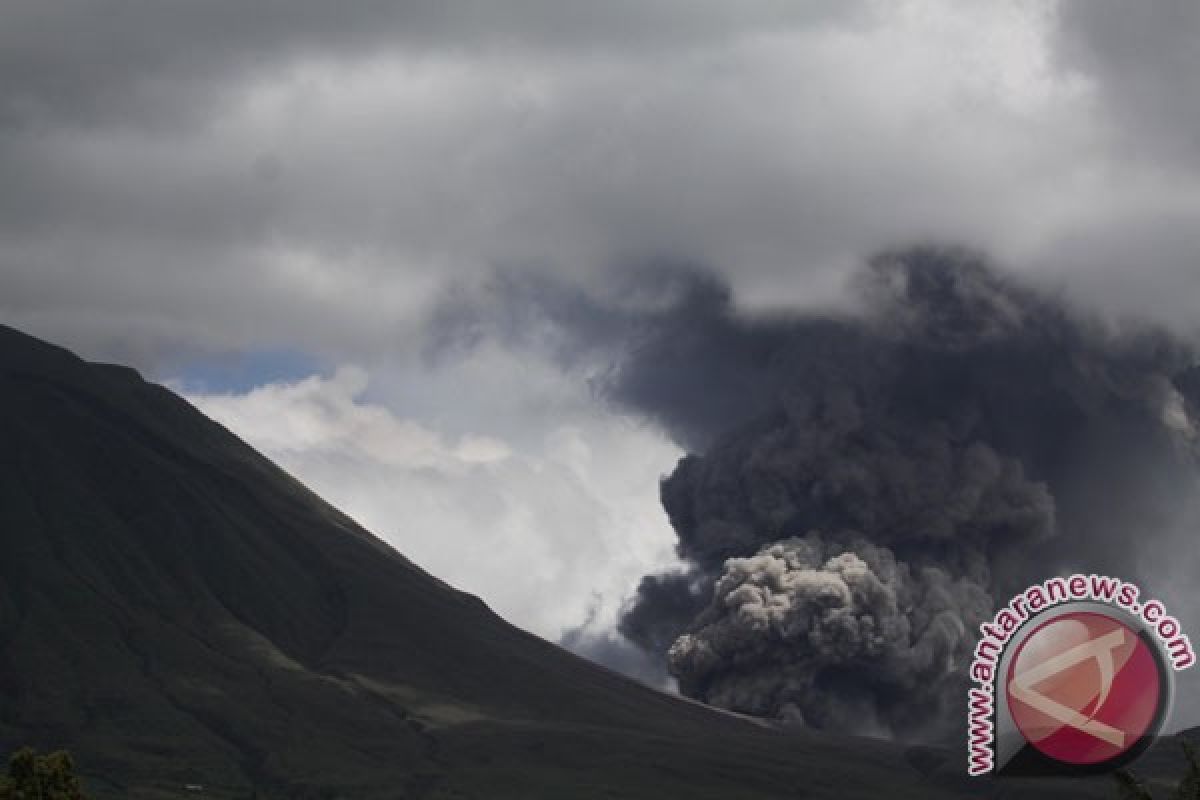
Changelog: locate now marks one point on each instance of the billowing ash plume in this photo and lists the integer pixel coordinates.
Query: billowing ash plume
(806, 618)
(889, 477)
(862, 489)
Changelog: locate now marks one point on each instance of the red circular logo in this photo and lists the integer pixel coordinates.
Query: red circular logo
(1084, 688)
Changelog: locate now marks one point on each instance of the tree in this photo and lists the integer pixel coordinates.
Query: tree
(34, 777)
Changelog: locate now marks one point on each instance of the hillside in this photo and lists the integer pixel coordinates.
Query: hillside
(176, 610)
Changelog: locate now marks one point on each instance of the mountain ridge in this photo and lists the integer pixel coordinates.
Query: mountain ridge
(177, 610)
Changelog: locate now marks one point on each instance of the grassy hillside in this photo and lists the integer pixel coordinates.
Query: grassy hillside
(176, 610)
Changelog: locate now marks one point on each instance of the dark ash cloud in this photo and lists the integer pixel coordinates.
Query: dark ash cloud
(964, 438)
(667, 602)
(615, 651)
(833, 634)
(862, 488)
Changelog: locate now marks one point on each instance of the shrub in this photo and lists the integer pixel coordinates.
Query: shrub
(34, 777)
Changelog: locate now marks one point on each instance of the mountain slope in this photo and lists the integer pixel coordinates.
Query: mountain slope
(177, 610)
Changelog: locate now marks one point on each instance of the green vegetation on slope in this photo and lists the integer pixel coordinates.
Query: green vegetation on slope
(34, 777)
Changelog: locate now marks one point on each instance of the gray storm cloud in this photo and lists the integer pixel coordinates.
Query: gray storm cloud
(862, 488)
(162, 204)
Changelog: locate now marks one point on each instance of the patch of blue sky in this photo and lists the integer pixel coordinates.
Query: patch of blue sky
(238, 373)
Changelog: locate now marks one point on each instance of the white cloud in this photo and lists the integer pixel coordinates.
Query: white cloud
(541, 530)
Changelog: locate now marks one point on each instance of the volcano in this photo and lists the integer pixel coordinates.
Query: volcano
(190, 621)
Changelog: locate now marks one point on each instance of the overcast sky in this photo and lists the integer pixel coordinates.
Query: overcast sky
(267, 203)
